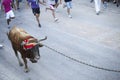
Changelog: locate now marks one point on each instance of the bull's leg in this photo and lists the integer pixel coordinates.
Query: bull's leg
(25, 62)
(20, 63)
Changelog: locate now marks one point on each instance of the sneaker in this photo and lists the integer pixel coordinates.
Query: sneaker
(56, 19)
(97, 13)
(69, 16)
(39, 25)
(1, 46)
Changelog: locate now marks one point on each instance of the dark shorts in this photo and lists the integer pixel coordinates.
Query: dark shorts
(36, 11)
(56, 1)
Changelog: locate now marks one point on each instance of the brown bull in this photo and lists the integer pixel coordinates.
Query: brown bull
(27, 45)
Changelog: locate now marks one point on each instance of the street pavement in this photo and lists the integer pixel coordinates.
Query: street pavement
(80, 48)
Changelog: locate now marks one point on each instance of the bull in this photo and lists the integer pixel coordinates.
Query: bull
(26, 45)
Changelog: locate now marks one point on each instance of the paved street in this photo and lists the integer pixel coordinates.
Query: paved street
(79, 45)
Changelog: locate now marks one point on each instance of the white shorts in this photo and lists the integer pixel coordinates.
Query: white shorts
(9, 14)
(69, 4)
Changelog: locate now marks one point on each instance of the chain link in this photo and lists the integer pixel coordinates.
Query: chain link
(91, 65)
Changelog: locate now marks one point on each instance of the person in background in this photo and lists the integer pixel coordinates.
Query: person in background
(97, 6)
(16, 3)
(68, 4)
(35, 9)
(8, 10)
(50, 6)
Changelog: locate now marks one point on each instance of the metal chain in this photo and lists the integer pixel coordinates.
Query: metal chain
(91, 65)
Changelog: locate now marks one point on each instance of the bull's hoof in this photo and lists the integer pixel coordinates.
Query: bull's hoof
(27, 70)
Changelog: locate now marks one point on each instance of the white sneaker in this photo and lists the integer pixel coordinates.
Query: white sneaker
(56, 19)
(69, 16)
(1, 45)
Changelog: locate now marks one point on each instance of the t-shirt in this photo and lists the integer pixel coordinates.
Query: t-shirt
(67, 0)
(34, 3)
(7, 5)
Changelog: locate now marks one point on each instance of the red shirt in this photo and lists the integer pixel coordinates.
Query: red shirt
(7, 5)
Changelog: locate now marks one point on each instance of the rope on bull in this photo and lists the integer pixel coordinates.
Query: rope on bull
(91, 65)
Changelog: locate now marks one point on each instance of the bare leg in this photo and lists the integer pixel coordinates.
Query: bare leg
(8, 21)
(69, 14)
(53, 13)
(37, 18)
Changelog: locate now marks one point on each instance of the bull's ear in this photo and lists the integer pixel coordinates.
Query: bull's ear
(41, 45)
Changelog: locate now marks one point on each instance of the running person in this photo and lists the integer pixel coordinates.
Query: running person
(36, 9)
(50, 6)
(68, 4)
(8, 10)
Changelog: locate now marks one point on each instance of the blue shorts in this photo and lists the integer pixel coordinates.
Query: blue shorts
(69, 4)
(36, 11)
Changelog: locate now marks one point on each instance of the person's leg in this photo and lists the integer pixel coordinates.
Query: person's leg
(8, 21)
(17, 4)
(104, 2)
(53, 11)
(53, 14)
(36, 12)
(56, 3)
(11, 16)
(37, 18)
(8, 17)
(13, 4)
(69, 6)
(97, 7)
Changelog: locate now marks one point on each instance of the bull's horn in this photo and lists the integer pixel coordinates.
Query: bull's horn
(43, 39)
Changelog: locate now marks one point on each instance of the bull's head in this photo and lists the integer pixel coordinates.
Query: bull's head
(32, 50)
